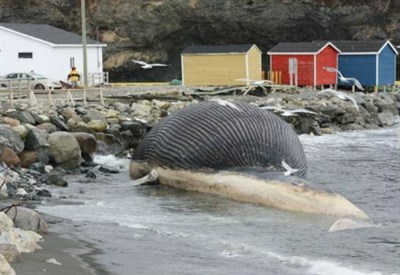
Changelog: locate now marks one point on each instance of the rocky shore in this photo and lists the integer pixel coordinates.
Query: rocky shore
(40, 146)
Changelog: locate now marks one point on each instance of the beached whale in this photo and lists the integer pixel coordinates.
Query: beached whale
(238, 151)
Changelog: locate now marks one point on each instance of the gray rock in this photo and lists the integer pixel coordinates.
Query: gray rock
(23, 116)
(97, 125)
(64, 149)
(40, 118)
(36, 139)
(21, 131)
(122, 107)
(81, 111)
(56, 177)
(92, 115)
(386, 118)
(87, 143)
(11, 139)
(59, 123)
(27, 219)
(109, 144)
(39, 167)
(47, 126)
(137, 128)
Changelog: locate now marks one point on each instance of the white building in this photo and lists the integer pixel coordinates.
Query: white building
(46, 50)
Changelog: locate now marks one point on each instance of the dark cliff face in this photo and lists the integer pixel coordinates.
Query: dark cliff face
(157, 31)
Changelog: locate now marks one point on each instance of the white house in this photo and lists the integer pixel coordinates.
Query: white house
(47, 50)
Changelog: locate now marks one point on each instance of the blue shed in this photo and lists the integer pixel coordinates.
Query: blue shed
(373, 63)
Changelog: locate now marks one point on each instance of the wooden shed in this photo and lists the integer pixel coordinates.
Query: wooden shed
(220, 65)
(373, 63)
(302, 63)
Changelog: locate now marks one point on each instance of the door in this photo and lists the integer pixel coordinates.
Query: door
(293, 80)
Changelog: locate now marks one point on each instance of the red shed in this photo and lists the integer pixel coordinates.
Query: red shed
(302, 63)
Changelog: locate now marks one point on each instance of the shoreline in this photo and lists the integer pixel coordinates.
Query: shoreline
(72, 255)
(110, 128)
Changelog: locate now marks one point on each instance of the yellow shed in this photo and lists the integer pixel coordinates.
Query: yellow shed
(221, 65)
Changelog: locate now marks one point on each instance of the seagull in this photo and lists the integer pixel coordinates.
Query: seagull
(225, 103)
(286, 112)
(289, 170)
(345, 79)
(146, 66)
(341, 95)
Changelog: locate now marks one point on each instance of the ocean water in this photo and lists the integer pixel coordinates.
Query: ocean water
(161, 230)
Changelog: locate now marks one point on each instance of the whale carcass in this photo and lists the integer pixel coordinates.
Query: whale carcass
(238, 151)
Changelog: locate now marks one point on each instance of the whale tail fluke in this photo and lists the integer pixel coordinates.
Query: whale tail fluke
(346, 224)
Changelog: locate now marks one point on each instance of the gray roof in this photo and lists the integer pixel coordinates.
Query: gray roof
(206, 49)
(48, 33)
(298, 47)
(355, 46)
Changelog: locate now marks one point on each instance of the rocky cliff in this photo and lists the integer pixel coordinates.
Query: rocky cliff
(157, 31)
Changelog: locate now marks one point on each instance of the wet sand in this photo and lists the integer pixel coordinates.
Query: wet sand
(74, 255)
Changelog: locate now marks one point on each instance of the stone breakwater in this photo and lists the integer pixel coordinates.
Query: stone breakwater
(334, 114)
(40, 146)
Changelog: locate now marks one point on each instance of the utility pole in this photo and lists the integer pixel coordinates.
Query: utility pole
(83, 16)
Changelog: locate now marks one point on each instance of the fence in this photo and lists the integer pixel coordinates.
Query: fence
(50, 97)
(274, 76)
(16, 84)
(98, 79)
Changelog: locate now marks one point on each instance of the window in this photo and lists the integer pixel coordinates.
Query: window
(12, 76)
(25, 55)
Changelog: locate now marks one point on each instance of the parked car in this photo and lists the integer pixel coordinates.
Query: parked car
(29, 81)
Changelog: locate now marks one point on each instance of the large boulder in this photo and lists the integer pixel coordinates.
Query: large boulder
(22, 116)
(64, 149)
(87, 143)
(21, 130)
(9, 138)
(27, 219)
(5, 268)
(37, 141)
(28, 157)
(10, 121)
(13, 242)
(98, 125)
(9, 157)
(47, 126)
(59, 123)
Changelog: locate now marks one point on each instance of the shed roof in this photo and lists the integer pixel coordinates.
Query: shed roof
(357, 46)
(361, 46)
(48, 33)
(206, 49)
(300, 47)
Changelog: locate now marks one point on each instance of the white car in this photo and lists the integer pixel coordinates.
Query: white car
(29, 81)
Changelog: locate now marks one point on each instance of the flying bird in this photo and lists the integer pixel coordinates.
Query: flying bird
(287, 112)
(345, 79)
(341, 95)
(146, 66)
